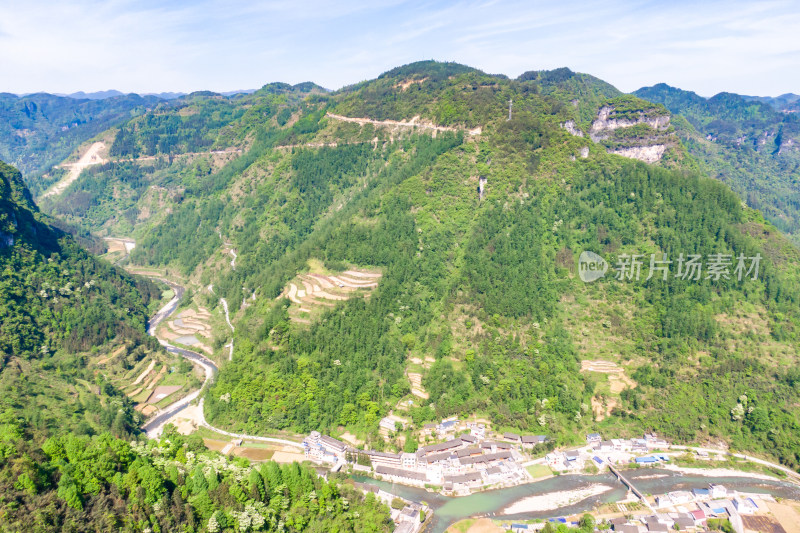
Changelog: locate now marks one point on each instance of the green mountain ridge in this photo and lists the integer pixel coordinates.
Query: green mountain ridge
(744, 142)
(400, 246)
(69, 455)
(474, 223)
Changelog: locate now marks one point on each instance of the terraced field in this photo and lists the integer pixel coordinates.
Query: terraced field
(190, 328)
(315, 291)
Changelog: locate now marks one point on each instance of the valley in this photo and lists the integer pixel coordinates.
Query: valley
(381, 281)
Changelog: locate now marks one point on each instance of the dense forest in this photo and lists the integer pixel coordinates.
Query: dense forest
(750, 144)
(40, 130)
(476, 238)
(69, 455)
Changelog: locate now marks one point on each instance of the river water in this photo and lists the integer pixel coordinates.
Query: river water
(448, 510)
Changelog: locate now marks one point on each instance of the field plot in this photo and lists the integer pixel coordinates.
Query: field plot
(317, 290)
(617, 381)
(190, 328)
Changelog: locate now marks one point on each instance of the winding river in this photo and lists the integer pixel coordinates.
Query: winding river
(448, 510)
(154, 426)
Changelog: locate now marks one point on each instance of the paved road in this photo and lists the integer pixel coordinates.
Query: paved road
(155, 425)
(791, 473)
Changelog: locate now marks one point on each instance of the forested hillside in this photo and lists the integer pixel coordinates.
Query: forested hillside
(69, 458)
(473, 222)
(751, 144)
(40, 130)
(153, 160)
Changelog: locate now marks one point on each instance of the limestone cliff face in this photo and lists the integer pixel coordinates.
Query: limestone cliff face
(607, 120)
(648, 154)
(630, 127)
(570, 127)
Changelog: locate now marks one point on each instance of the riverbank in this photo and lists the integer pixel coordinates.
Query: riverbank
(719, 472)
(554, 500)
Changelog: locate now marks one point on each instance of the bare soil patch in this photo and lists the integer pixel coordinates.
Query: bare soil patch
(90, 157)
(787, 514)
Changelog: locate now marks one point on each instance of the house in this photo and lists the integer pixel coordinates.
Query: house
(698, 515)
(529, 441)
(593, 438)
(626, 528)
(483, 460)
(638, 445)
(447, 426)
(719, 508)
(511, 436)
(333, 445)
(684, 522)
(663, 501)
(679, 497)
(441, 457)
(408, 460)
(428, 429)
(477, 430)
(606, 446)
(647, 460)
(389, 424)
(468, 438)
(621, 445)
(555, 459)
(323, 447)
(494, 446)
(384, 458)
(464, 480)
(745, 505)
(401, 475)
(442, 446)
(572, 455)
(717, 491)
(656, 523)
(467, 452)
(701, 494)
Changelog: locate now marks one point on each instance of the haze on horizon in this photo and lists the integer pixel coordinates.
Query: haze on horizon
(149, 46)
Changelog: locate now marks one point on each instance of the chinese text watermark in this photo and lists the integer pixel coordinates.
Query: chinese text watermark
(713, 267)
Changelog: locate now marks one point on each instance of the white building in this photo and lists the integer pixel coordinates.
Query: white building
(717, 491)
(408, 460)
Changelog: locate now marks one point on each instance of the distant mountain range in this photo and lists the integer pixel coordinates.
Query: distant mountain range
(787, 103)
(749, 142)
(111, 93)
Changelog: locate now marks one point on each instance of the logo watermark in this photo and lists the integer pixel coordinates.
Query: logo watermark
(592, 266)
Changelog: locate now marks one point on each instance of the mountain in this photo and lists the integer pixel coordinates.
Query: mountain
(747, 142)
(39, 130)
(71, 338)
(99, 95)
(410, 245)
(786, 103)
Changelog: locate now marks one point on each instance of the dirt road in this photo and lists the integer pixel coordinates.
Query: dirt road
(91, 157)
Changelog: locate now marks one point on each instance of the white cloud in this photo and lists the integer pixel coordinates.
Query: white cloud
(211, 44)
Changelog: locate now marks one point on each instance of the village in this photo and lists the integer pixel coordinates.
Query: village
(702, 509)
(471, 458)
(466, 462)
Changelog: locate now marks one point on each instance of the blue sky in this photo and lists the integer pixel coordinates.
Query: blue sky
(152, 46)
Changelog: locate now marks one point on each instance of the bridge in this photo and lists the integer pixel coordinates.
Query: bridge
(630, 486)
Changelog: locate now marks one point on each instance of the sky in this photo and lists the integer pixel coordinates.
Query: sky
(64, 46)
